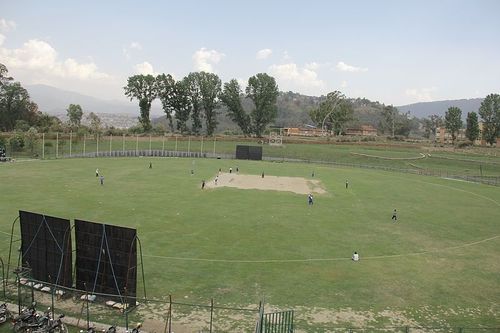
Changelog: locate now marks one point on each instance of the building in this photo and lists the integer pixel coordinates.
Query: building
(443, 136)
(363, 130)
(303, 131)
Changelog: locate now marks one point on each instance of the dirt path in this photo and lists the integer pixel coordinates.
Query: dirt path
(270, 183)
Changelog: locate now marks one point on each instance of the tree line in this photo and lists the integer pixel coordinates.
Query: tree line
(192, 106)
(197, 97)
(490, 116)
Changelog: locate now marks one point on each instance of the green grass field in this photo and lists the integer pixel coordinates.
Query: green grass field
(438, 265)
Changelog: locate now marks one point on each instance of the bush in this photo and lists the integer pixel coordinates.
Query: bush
(16, 142)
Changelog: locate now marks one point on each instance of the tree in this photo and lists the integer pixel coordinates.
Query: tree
(75, 113)
(95, 123)
(263, 91)
(3, 78)
(181, 103)
(192, 85)
(490, 114)
(388, 123)
(15, 105)
(333, 113)
(453, 121)
(31, 138)
(46, 122)
(144, 89)
(165, 85)
(16, 142)
(431, 124)
(472, 127)
(231, 98)
(210, 89)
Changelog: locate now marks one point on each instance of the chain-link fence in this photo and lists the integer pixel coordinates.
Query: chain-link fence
(165, 314)
(71, 145)
(410, 329)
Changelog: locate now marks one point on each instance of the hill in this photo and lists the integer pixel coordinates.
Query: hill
(425, 109)
(293, 108)
(55, 101)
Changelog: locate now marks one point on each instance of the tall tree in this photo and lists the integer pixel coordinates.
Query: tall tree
(144, 89)
(46, 122)
(389, 118)
(431, 124)
(192, 84)
(333, 113)
(95, 123)
(210, 89)
(15, 104)
(165, 84)
(472, 127)
(453, 121)
(263, 91)
(231, 98)
(181, 103)
(490, 114)
(4, 79)
(75, 113)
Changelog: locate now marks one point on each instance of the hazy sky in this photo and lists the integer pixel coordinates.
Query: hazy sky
(397, 52)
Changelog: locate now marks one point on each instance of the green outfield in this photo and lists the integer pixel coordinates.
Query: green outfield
(438, 265)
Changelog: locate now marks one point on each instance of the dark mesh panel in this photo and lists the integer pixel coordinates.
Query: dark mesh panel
(104, 254)
(46, 247)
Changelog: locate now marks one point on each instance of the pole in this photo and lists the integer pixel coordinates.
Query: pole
(170, 314)
(211, 313)
(84, 141)
(123, 143)
(87, 305)
(57, 144)
(52, 295)
(176, 143)
(189, 144)
(201, 149)
(136, 144)
(110, 142)
(43, 146)
(214, 144)
(97, 145)
(70, 141)
(163, 144)
(150, 145)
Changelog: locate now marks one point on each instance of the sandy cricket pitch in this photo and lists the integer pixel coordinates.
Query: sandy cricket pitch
(270, 183)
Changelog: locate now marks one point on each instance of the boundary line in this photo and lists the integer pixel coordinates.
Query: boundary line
(266, 261)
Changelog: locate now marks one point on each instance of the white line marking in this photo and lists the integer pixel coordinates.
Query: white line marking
(264, 261)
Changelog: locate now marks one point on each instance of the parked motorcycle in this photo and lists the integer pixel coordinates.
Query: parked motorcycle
(111, 329)
(5, 314)
(56, 326)
(136, 329)
(29, 320)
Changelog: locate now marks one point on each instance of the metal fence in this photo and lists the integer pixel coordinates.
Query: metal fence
(172, 315)
(410, 329)
(488, 180)
(69, 145)
(157, 314)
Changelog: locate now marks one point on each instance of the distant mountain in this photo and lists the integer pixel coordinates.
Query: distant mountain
(293, 108)
(55, 101)
(425, 109)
